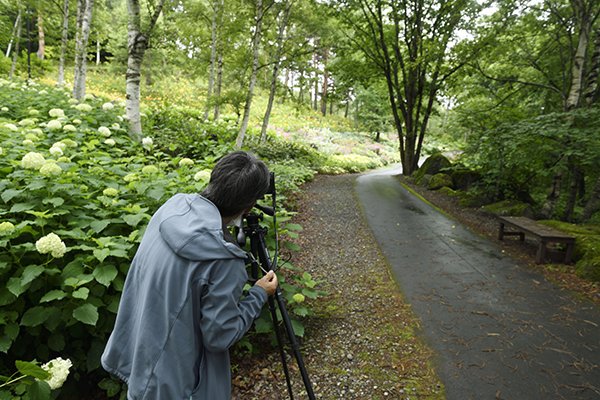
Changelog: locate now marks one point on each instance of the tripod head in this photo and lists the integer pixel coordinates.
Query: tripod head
(256, 233)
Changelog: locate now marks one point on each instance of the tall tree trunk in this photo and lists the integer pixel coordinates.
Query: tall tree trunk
(301, 92)
(213, 56)
(275, 74)
(591, 91)
(574, 181)
(316, 92)
(137, 43)
(593, 203)
(14, 34)
(63, 44)
(239, 142)
(84, 14)
(98, 49)
(218, 86)
(17, 47)
(41, 52)
(325, 83)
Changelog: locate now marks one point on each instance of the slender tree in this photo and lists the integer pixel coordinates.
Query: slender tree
(137, 44)
(283, 21)
(63, 43)
(41, 51)
(84, 19)
(14, 32)
(256, 38)
(17, 43)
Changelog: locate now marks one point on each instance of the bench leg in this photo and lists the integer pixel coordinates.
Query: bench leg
(569, 253)
(501, 231)
(541, 253)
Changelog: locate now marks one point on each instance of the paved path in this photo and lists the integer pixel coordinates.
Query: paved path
(500, 331)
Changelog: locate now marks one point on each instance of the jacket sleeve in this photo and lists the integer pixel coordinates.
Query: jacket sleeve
(226, 318)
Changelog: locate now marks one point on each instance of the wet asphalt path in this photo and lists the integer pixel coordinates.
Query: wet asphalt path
(499, 330)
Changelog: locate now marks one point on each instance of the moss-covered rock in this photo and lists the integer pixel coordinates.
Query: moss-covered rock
(448, 191)
(439, 181)
(463, 178)
(432, 165)
(509, 207)
(587, 247)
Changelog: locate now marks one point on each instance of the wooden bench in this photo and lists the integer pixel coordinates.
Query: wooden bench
(544, 234)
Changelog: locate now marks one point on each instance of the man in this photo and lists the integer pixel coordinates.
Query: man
(181, 308)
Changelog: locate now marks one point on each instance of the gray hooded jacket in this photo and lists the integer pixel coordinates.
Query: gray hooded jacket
(180, 310)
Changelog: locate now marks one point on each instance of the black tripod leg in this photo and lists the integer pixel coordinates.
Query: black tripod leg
(294, 342)
(280, 345)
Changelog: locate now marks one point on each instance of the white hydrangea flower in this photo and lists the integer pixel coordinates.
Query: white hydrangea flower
(26, 122)
(110, 192)
(84, 107)
(130, 177)
(89, 96)
(147, 142)
(110, 142)
(50, 169)
(32, 160)
(56, 113)
(186, 162)
(56, 151)
(108, 106)
(58, 370)
(31, 136)
(115, 126)
(4, 109)
(33, 112)
(36, 131)
(52, 244)
(69, 128)
(149, 170)
(77, 121)
(73, 101)
(63, 159)
(54, 124)
(11, 127)
(27, 142)
(104, 131)
(61, 145)
(1, 151)
(203, 175)
(6, 228)
(66, 143)
(43, 91)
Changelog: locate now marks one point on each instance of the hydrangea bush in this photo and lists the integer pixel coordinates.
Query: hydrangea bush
(74, 202)
(76, 195)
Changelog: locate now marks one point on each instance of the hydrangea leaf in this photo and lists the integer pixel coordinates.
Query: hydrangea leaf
(105, 274)
(87, 313)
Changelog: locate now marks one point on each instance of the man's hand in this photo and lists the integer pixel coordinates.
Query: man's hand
(268, 282)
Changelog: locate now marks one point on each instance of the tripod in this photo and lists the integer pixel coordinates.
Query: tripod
(260, 259)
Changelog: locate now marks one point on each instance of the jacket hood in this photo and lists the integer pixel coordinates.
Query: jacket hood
(192, 227)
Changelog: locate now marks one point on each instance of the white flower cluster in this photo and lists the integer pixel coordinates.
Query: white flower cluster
(108, 106)
(69, 128)
(110, 192)
(104, 131)
(203, 175)
(110, 142)
(52, 244)
(11, 127)
(33, 160)
(147, 142)
(50, 169)
(58, 149)
(83, 107)
(58, 370)
(54, 124)
(186, 162)
(6, 228)
(56, 113)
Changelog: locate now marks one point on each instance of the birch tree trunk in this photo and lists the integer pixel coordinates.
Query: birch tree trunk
(137, 43)
(98, 49)
(325, 84)
(14, 33)
(41, 37)
(276, 66)
(17, 43)
(84, 14)
(63, 44)
(579, 56)
(239, 142)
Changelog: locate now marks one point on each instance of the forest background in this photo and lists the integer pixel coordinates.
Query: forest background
(111, 106)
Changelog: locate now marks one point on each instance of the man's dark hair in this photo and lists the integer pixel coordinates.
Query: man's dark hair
(236, 182)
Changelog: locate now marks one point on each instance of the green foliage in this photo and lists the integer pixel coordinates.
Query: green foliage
(587, 247)
(349, 163)
(519, 160)
(5, 63)
(95, 194)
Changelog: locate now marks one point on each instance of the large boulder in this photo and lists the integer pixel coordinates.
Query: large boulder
(432, 165)
(464, 178)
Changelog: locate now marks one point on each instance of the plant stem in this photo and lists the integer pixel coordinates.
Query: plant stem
(13, 381)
